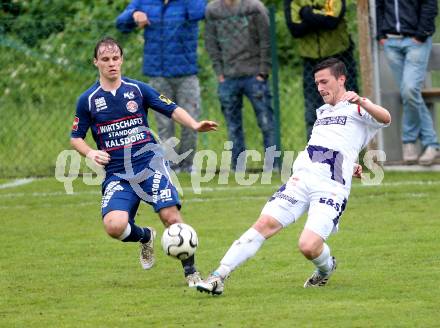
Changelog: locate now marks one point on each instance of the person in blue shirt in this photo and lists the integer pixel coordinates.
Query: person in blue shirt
(115, 108)
(171, 31)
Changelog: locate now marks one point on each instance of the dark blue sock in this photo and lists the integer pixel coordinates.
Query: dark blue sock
(147, 235)
(138, 234)
(188, 265)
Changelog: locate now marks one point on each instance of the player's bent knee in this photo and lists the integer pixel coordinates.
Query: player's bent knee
(306, 249)
(115, 224)
(170, 215)
(310, 244)
(310, 248)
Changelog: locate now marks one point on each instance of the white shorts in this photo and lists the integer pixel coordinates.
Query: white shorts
(324, 199)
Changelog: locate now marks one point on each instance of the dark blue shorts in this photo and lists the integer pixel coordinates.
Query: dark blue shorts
(120, 194)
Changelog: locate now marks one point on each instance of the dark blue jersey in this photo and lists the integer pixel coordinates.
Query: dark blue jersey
(118, 121)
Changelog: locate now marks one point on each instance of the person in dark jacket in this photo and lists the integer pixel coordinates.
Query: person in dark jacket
(170, 60)
(321, 31)
(405, 29)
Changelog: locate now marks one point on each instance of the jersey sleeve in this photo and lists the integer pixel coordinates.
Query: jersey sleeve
(82, 119)
(369, 120)
(156, 101)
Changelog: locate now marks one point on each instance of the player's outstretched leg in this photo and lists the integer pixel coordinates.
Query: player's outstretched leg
(319, 278)
(146, 255)
(239, 252)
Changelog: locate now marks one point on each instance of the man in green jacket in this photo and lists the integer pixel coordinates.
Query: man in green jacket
(321, 30)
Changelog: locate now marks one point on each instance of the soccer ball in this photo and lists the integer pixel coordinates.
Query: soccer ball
(179, 240)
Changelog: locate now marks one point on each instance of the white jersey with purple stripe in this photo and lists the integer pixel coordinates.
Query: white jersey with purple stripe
(339, 134)
(118, 120)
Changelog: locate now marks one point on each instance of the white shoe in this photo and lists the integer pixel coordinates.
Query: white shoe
(318, 279)
(193, 279)
(214, 284)
(410, 154)
(146, 256)
(429, 155)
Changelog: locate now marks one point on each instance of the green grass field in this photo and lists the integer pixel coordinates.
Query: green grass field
(59, 269)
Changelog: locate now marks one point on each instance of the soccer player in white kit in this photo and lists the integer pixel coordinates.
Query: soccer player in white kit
(320, 182)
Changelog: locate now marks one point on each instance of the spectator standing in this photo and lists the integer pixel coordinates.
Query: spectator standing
(170, 59)
(238, 42)
(405, 29)
(321, 30)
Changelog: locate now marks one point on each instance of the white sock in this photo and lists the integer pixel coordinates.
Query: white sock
(126, 232)
(240, 251)
(324, 261)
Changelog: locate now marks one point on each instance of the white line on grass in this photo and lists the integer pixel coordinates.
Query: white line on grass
(48, 205)
(194, 200)
(47, 194)
(229, 199)
(16, 183)
(214, 189)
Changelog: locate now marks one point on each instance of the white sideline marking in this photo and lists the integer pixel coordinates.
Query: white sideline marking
(45, 205)
(209, 189)
(45, 194)
(400, 183)
(191, 200)
(16, 183)
(217, 199)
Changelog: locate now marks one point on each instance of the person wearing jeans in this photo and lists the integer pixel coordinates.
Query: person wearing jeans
(405, 31)
(231, 93)
(238, 43)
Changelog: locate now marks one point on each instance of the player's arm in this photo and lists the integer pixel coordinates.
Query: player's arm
(165, 106)
(81, 125)
(379, 113)
(100, 157)
(182, 117)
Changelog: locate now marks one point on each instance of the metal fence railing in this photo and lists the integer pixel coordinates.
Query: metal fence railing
(47, 68)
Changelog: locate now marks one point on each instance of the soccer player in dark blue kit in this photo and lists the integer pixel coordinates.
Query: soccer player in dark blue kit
(115, 109)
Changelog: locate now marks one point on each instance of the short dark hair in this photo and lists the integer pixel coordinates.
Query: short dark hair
(106, 40)
(337, 67)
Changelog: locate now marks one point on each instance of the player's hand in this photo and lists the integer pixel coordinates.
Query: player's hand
(382, 41)
(99, 157)
(141, 19)
(205, 126)
(351, 96)
(357, 171)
